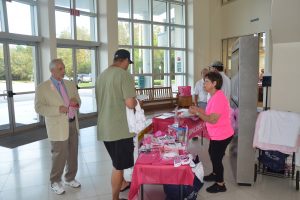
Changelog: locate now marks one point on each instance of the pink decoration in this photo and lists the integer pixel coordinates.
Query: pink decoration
(159, 133)
(184, 90)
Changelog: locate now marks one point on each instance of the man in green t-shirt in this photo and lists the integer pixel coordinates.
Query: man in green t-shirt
(114, 92)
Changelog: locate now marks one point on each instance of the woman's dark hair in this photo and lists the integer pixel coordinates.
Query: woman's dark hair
(215, 76)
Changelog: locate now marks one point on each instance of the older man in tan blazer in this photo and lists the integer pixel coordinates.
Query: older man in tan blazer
(58, 101)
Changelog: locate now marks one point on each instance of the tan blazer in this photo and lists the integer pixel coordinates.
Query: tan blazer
(47, 102)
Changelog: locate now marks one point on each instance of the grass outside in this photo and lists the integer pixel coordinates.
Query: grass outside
(88, 84)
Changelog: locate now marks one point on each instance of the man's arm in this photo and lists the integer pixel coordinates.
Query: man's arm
(131, 102)
(42, 107)
(196, 94)
(196, 99)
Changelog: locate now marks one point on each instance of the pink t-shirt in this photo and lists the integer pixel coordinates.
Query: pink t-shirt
(218, 104)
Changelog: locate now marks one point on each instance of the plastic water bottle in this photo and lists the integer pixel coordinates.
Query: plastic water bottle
(176, 119)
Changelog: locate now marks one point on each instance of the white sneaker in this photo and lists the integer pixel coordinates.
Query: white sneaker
(57, 188)
(73, 183)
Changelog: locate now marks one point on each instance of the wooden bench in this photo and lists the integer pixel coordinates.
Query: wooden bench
(157, 98)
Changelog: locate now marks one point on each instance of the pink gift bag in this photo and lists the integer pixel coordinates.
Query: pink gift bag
(184, 90)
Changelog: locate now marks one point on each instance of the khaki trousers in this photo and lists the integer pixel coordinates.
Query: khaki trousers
(65, 154)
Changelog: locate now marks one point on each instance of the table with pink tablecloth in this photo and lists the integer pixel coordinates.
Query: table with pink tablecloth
(150, 168)
(196, 126)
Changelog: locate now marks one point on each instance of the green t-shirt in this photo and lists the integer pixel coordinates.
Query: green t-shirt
(113, 87)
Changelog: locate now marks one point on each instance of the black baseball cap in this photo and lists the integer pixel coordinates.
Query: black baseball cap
(216, 64)
(123, 53)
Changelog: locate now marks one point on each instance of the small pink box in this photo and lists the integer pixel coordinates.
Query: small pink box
(184, 90)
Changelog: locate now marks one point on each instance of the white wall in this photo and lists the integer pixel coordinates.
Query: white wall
(217, 22)
(281, 22)
(198, 38)
(236, 17)
(285, 94)
(286, 21)
(233, 19)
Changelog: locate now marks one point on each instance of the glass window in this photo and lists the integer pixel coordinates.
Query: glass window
(141, 9)
(19, 18)
(123, 8)
(63, 3)
(124, 33)
(85, 20)
(142, 81)
(22, 67)
(63, 25)
(177, 61)
(4, 117)
(85, 70)
(142, 34)
(24, 109)
(177, 80)
(160, 36)
(86, 5)
(154, 40)
(66, 55)
(159, 11)
(85, 67)
(160, 61)
(85, 28)
(22, 64)
(160, 80)
(142, 61)
(2, 71)
(86, 77)
(177, 14)
(88, 100)
(1, 18)
(177, 37)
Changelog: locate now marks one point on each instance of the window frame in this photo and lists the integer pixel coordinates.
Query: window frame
(170, 26)
(73, 24)
(33, 17)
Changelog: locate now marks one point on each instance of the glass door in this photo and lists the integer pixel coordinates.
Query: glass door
(4, 116)
(17, 86)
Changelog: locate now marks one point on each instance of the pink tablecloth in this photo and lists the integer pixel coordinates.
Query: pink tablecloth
(196, 127)
(150, 169)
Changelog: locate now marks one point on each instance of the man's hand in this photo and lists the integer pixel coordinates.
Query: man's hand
(63, 109)
(74, 103)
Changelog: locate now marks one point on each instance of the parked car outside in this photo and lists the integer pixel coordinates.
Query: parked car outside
(84, 78)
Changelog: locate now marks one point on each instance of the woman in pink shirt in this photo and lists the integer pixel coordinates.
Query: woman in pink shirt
(217, 118)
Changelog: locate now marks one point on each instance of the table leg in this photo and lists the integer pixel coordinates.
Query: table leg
(181, 192)
(142, 192)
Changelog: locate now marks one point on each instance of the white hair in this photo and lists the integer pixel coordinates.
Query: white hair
(54, 62)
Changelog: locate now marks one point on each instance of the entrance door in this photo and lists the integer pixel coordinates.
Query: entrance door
(17, 87)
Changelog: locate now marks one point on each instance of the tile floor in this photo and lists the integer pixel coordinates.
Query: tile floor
(24, 175)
